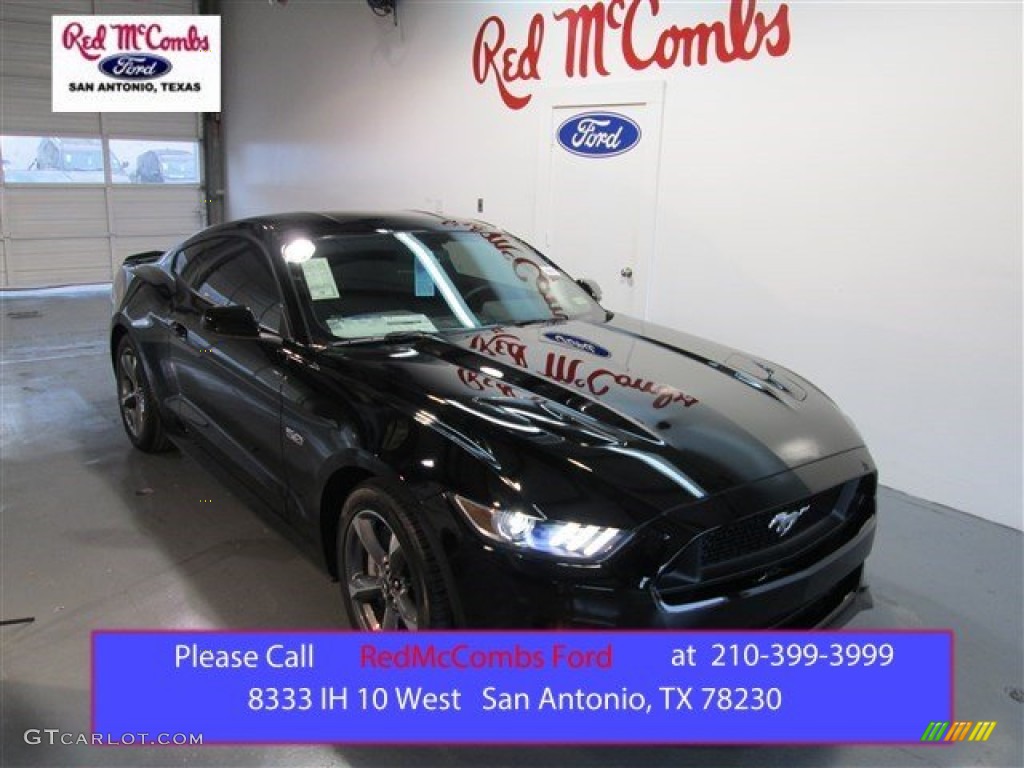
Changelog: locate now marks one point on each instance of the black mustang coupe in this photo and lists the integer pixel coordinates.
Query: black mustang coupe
(466, 438)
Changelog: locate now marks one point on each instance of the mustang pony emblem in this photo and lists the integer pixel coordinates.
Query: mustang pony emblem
(784, 521)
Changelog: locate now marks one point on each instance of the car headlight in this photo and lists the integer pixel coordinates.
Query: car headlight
(514, 528)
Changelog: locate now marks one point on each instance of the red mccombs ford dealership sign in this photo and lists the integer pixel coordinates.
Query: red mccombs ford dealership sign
(593, 30)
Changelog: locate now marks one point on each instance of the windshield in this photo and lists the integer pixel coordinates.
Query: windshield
(369, 286)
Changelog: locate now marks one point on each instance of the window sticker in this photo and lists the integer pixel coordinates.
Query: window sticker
(319, 279)
(424, 283)
(369, 326)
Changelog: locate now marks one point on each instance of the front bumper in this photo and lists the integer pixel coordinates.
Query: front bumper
(827, 592)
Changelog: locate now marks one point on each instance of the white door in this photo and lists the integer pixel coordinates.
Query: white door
(598, 187)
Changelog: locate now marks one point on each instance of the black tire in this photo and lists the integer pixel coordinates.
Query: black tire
(389, 576)
(139, 413)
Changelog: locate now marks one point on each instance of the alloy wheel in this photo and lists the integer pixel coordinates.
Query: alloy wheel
(380, 579)
(131, 392)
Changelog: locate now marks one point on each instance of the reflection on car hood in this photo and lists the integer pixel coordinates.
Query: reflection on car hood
(620, 400)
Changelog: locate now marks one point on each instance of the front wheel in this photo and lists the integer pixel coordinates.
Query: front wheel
(135, 399)
(390, 579)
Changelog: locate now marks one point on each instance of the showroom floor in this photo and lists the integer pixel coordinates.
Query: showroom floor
(97, 535)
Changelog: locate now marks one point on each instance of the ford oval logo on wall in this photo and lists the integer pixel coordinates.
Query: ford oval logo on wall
(598, 134)
(135, 66)
(583, 345)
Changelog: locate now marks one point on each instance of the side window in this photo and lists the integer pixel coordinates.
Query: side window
(181, 260)
(232, 271)
(188, 260)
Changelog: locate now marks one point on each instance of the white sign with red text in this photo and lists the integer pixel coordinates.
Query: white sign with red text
(136, 63)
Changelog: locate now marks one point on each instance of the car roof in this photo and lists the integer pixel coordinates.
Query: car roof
(74, 142)
(318, 224)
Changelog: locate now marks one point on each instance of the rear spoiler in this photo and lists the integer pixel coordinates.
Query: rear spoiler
(143, 258)
(124, 276)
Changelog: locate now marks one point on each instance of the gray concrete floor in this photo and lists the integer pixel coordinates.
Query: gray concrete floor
(96, 535)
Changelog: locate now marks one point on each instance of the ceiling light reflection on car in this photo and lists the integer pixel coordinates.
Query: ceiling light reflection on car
(501, 422)
(511, 483)
(662, 467)
(426, 418)
(800, 449)
(298, 250)
(580, 464)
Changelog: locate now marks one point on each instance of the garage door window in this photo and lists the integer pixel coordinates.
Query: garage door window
(56, 160)
(157, 161)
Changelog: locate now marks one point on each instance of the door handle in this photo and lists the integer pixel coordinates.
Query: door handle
(179, 330)
(626, 272)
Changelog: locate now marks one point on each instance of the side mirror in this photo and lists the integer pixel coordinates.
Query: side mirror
(590, 287)
(232, 320)
(160, 279)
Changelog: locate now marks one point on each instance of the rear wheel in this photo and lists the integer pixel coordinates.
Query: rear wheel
(390, 579)
(139, 413)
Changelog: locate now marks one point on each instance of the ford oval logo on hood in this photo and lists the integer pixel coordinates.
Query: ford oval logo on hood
(583, 345)
(135, 66)
(598, 134)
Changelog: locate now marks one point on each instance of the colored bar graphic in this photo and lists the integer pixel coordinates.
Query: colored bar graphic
(959, 731)
(982, 731)
(529, 687)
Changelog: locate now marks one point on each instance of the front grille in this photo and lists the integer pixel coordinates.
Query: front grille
(747, 551)
(755, 533)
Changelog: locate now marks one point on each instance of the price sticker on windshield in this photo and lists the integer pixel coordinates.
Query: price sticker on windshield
(319, 280)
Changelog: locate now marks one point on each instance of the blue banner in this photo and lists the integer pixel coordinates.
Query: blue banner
(524, 687)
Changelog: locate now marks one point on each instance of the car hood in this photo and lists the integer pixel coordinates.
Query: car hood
(662, 416)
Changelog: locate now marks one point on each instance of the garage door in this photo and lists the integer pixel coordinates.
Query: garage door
(80, 191)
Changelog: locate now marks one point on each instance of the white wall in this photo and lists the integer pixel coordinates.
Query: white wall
(851, 209)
